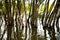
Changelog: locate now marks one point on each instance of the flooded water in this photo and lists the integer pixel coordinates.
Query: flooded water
(41, 34)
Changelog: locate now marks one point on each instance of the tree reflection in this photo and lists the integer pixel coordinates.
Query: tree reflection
(18, 19)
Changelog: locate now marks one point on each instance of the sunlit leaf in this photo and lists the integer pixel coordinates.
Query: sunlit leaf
(42, 8)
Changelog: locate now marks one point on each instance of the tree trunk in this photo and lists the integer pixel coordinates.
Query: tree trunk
(34, 21)
(9, 19)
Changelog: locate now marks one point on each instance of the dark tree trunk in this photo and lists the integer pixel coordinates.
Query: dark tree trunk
(9, 19)
(34, 20)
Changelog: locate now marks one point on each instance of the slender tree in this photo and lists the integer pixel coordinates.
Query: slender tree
(34, 20)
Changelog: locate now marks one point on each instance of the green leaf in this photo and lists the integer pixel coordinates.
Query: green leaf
(0, 5)
(41, 1)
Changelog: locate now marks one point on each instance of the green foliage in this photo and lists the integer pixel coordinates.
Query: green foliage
(22, 7)
(42, 8)
(0, 5)
(41, 1)
(40, 16)
(40, 38)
